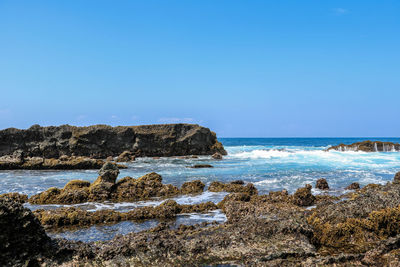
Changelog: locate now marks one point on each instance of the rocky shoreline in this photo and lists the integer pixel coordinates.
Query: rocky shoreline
(361, 227)
(368, 146)
(71, 147)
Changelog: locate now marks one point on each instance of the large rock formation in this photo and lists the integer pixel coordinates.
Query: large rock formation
(368, 146)
(22, 238)
(102, 141)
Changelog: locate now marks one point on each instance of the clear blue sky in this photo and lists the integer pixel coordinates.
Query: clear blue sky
(242, 68)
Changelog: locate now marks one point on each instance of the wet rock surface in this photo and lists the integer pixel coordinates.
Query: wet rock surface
(75, 217)
(276, 229)
(102, 141)
(368, 146)
(322, 184)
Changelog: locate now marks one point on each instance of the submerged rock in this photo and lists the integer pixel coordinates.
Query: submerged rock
(217, 155)
(368, 146)
(75, 217)
(322, 184)
(198, 166)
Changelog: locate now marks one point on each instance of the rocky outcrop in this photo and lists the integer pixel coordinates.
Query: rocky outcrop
(75, 217)
(353, 186)
(322, 184)
(22, 238)
(102, 141)
(368, 146)
(62, 163)
(303, 196)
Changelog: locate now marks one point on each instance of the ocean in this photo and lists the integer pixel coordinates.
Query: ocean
(269, 163)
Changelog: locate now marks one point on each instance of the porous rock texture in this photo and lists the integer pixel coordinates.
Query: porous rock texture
(106, 188)
(102, 141)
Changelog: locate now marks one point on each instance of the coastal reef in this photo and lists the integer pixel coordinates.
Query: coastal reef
(102, 141)
(368, 146)
(360, 228)
(105, 188)
(75, 217)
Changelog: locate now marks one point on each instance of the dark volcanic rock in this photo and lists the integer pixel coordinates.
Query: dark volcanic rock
(368, 146)
(303, 196)
(217, 155)
(62, 163)
(199, 166)
(322, 184)
(101, 141)
(353, 186)
(22, 238)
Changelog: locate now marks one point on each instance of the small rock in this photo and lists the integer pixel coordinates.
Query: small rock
(353, 186)
(237, 182)
(396, 179)
(126, 156)
(109, 158)
(303, 196)
(192, 187)
(108, 173)
(322, 184)
(217, 155)
(197, 166)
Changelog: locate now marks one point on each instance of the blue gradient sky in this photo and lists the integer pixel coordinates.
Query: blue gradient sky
(242, 68)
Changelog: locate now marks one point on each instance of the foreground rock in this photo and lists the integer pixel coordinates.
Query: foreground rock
(277, 229)
(22, 238)
(102, 141)
(74, 217)
(368, 146)
(105, 188)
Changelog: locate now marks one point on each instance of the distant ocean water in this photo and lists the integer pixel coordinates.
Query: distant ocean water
(269, 163)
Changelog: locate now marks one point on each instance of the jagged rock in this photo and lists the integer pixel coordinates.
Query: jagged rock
(396, 178)
(192, 187)
(353, 186)
(22, 238)
(322, 184)
(199, 166)
(233, 187)
(17, 197)
(101, 141)
(108, 173)
(126, 156)
(217, 155)
(303, 196)
(368, 146)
